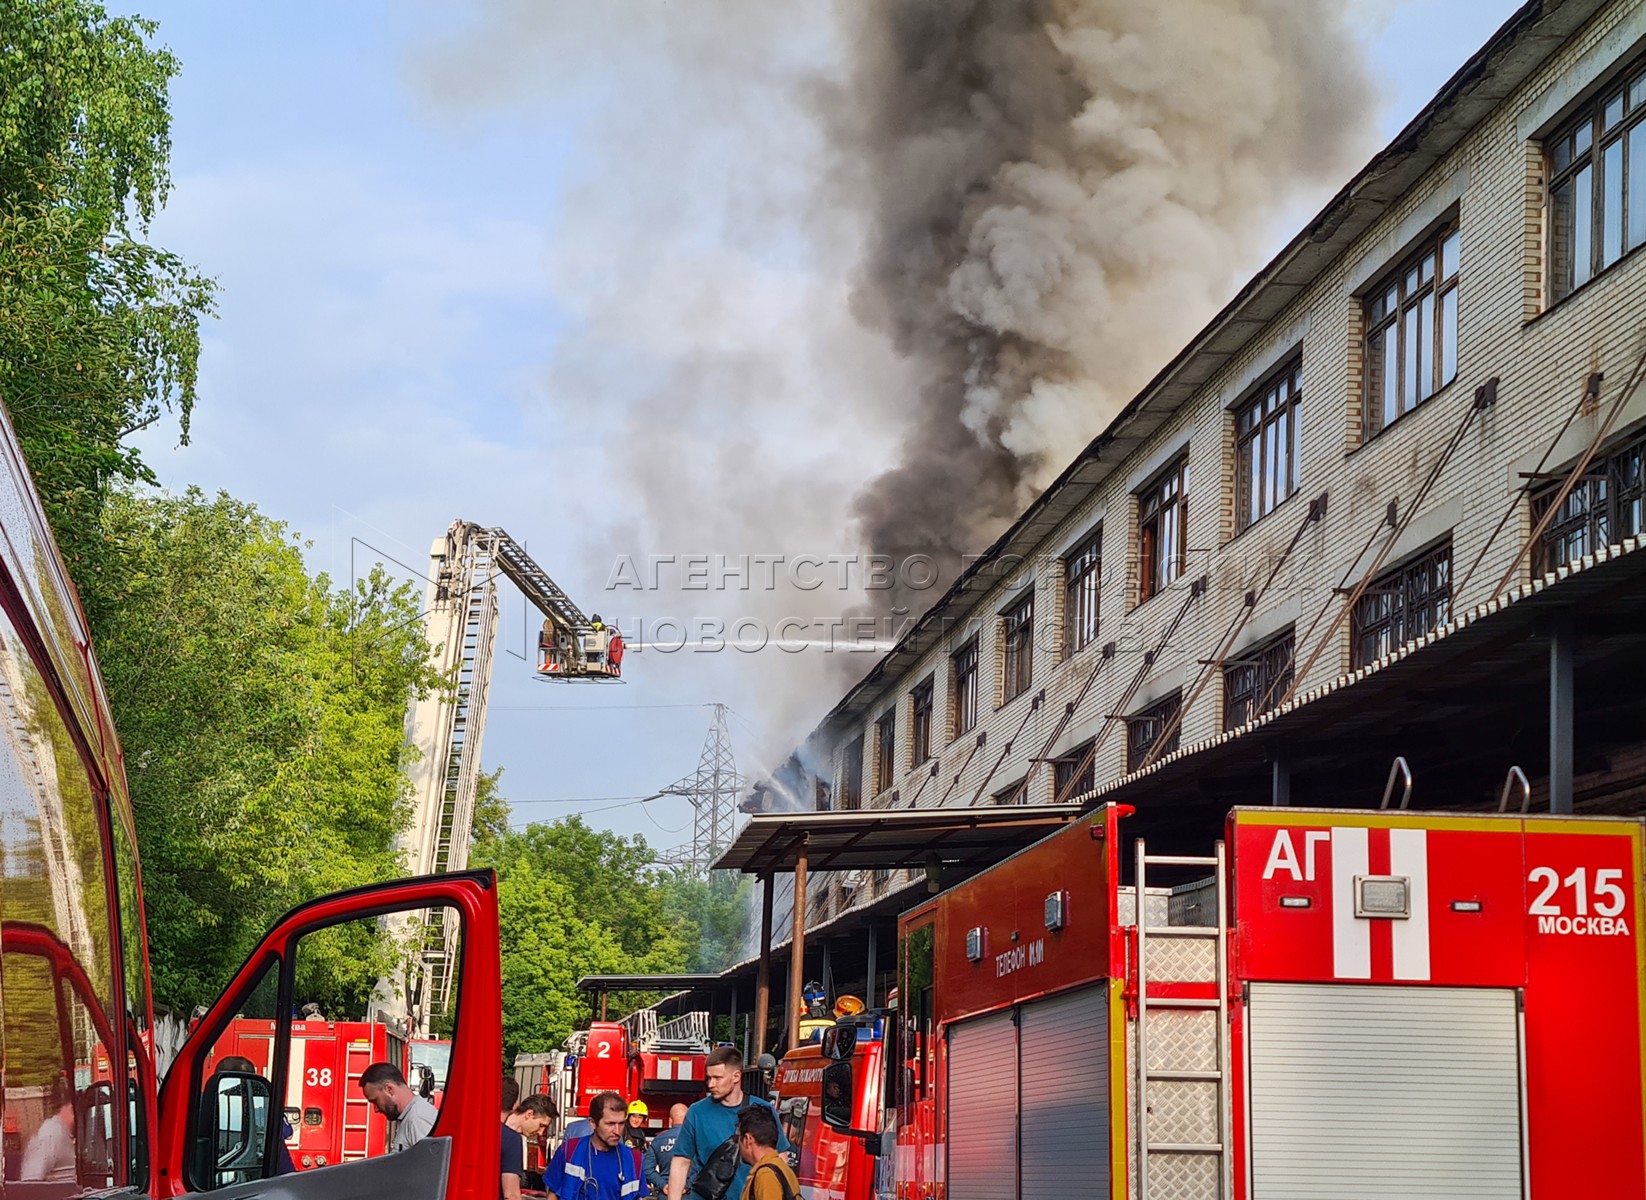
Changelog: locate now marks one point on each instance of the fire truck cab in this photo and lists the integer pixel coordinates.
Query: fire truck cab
(1326, 1003)
(81, 1101)
(830, 1097)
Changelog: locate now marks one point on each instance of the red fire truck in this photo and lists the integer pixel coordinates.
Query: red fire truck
(331, 1121)
(660, 1063)
(1403, 1004)
(80, 1101)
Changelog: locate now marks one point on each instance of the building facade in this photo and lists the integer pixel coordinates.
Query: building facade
(1427, 401)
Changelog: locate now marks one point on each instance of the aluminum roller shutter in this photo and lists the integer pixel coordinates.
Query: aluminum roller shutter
(982, 1109)
(1063, 1049)
(1373, 1092)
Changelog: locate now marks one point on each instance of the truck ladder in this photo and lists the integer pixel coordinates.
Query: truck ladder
(534, 582)
(1181, 1068)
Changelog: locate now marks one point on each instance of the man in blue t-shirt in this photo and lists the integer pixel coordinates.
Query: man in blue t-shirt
(712, 1121)
(598, 1167)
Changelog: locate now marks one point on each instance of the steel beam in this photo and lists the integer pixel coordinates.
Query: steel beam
(1561, 654)
(1281, 778)
(763, 975)
(797, 949)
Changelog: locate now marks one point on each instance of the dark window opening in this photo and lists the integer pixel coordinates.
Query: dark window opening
(851, 775)
(1266, 440)
(1074, 774)
(1258, 680)
(1604, 508)
(1403, 604)
(920, 725)
(1162, 516)
(1144, 731)
(885, 735)
(1082, 581)
(963, 687)
(1018, 637)
(1597, 186)
(1411, 332)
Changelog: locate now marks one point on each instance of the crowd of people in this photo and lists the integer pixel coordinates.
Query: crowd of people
(727, 1146)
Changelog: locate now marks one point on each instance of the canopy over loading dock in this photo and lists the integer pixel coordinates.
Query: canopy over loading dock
(969, 838)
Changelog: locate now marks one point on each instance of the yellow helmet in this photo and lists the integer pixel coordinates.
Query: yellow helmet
(638, 1108)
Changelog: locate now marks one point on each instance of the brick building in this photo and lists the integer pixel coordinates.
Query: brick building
(1387, 503)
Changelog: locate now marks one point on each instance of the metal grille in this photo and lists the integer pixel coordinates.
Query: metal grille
(1404, 604)
(1603, 509)
(1144, 730)
(1257, 681)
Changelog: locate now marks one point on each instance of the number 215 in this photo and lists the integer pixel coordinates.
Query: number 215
(1609, 898)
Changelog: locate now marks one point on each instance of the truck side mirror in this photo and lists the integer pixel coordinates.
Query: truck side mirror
(837, 1095)
(231, 1143)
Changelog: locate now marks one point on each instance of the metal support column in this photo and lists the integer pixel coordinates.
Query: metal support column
(1560, 712)
(797, 949)
(763, 974)
(874, 942)
(731, 1026)
(1281, 774)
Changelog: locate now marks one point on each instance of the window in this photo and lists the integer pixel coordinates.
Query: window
(1258, 680)
(1266, 446)
(963, 687)
(1411, 332)
(1406, 603)
(1597, 186)
(1082, 580)
(1012, 794)
(1074, 774)
(851, 775)
(1018, 640)
(920, 726)
(1144, 731)
(822, 800)
(1604, 507)
(1161, 515)
(885, 737)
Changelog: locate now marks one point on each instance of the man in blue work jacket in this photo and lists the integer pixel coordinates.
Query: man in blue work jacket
(599, 1166)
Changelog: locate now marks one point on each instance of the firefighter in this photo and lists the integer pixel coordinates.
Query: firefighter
(635, 1133)
(816, 1020)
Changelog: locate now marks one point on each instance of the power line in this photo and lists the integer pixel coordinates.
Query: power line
(589, 708)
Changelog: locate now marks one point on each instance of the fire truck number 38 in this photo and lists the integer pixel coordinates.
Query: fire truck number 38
(319, 1077)
(1606, 897)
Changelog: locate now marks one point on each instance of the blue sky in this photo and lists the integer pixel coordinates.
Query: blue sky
(385, 310)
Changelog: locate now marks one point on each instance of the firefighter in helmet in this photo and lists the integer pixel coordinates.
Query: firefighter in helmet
(634, 1133)
(816, 1019)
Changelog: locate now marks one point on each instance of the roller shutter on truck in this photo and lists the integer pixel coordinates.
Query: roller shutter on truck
(1063, 1056)
(982, 1139)
(1371, 1091)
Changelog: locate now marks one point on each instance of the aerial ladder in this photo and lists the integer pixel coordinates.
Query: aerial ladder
(461, 623)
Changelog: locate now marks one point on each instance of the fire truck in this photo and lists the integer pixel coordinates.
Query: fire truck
(660, 1063)
(1326, 1003)
(81, 1102)
(330, 1120)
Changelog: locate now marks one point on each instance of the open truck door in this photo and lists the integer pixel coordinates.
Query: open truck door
(220, 1131)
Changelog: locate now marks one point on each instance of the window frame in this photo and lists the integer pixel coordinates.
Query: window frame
(850, 793)
(1612, 496)
(1017, 647)
(922, 700)
(965, 665)
(1159, 714)
(1258, 680)
(1579, 146)
(1082, 593)
(1163, 502)
(885, 751)
(1274, 407)
(1400, 294)
(1427, 601)
(1063, 771)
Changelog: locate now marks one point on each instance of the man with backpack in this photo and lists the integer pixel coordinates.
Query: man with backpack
(770, 1176)
(708, 1137)
(599, 1166)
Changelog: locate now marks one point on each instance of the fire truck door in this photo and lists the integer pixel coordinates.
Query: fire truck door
(982, 1141)
(202, 1113)
(1063, 1049)
(1373, 1091)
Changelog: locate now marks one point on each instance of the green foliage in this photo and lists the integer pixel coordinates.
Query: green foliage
(99, 331)
(718, 908)
(263, 718)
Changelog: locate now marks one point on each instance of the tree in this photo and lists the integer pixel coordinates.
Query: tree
(717, 908)
(99, 331)
(263, 718)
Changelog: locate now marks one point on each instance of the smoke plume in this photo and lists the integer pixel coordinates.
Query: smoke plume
(863, 277)
(1058, 192)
